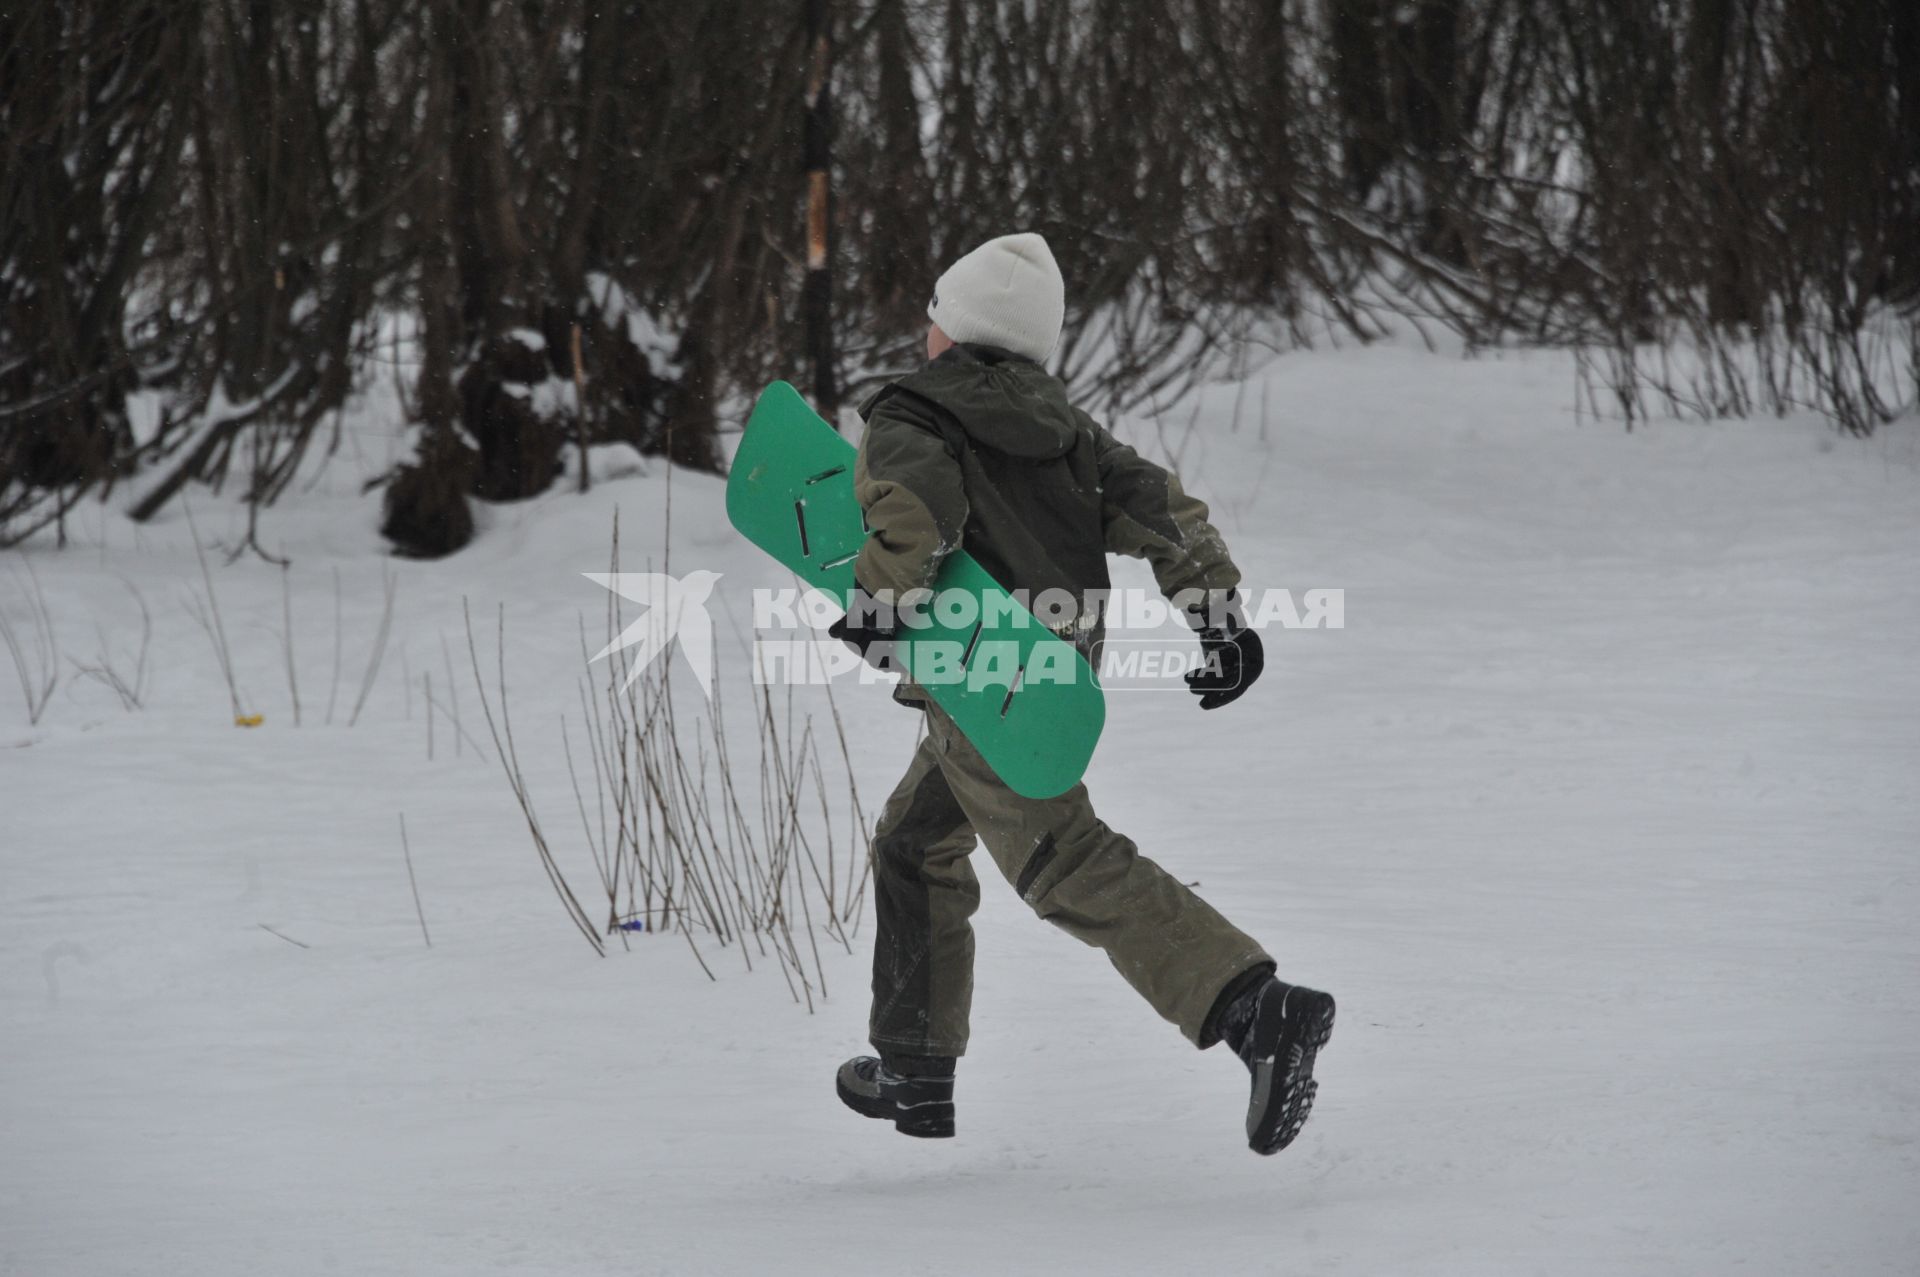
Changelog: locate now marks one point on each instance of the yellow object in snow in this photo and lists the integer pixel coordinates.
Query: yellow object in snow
(248, 720)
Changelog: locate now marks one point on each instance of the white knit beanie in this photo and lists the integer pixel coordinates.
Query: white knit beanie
(1006, 293)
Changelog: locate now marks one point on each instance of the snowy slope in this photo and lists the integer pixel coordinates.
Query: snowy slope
(1600, 819)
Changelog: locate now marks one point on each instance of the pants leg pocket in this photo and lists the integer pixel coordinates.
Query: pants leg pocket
(1037, 861)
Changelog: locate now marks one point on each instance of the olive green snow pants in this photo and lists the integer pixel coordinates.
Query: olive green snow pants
(1091, 882)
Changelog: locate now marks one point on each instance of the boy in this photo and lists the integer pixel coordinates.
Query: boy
(981, 448)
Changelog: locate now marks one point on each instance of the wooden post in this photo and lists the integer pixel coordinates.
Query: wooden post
(580, 403)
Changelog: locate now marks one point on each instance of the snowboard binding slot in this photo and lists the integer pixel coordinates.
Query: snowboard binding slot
(973, 641)
(1012, 687)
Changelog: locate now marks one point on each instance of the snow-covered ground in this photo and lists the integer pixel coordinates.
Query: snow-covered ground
(1600, 818)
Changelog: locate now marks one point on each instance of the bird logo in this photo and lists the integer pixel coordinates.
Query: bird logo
(675, 608)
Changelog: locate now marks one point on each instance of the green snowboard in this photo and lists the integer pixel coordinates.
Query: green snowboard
(1025, 697)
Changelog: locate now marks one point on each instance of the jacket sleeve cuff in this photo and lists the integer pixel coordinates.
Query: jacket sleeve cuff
(1212, 609)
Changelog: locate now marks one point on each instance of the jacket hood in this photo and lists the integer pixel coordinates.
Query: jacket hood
(1002, 401)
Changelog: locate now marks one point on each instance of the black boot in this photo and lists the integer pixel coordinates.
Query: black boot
(1276, 1029)
(916, 1093)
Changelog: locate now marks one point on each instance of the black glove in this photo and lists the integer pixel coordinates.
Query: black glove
(1231, 658)
(861, 629)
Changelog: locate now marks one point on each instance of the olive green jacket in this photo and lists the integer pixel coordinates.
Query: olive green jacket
(981, 448)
